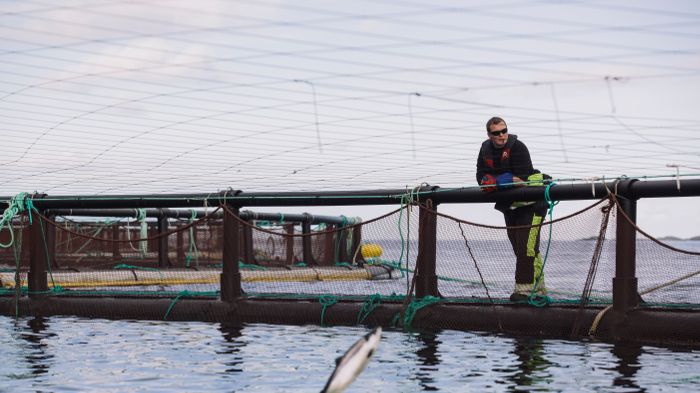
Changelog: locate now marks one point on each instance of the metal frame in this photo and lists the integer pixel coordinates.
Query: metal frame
(627, 192)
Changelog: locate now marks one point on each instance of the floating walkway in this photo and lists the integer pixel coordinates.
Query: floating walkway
(146, 277)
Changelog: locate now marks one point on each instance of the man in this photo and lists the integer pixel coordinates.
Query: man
(504, 162)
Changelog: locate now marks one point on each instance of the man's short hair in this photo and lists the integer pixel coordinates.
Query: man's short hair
(492, 121)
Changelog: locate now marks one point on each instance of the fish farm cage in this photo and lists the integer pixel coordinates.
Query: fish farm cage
(203, 257)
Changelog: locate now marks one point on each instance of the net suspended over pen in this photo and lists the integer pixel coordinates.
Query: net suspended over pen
(301, 256)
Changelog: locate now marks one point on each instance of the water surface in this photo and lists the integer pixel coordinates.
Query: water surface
(67, 354)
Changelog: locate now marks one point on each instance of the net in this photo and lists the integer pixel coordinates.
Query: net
(299, 259)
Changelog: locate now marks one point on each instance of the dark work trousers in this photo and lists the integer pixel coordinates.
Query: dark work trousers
(526, 241)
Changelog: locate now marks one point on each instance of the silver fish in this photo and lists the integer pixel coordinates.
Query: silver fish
(351, 364)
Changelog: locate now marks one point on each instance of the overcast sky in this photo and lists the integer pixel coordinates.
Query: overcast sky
(127, 97)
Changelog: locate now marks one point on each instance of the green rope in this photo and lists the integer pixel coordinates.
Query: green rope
(412, 308)
(21, 203)
(18, 204)
(250, 266)
(533, 298)
(93, 236)
(125, 266)
(263, 224)
(193, 242)
(339, 235)
(370, 305)
(406, 201)
(143, 232)
(356, 298)
(52, 291)
(17, 253)
(172, 304)
(401, 233)
(326, 301)
(398, 266)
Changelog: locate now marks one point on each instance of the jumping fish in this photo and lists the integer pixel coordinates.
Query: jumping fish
(351, 364)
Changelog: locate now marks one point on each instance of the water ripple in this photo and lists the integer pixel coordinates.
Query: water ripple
(62, 354)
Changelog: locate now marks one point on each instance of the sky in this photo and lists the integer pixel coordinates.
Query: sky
(104, 97)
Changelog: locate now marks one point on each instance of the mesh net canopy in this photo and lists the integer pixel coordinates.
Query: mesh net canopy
(287, 258)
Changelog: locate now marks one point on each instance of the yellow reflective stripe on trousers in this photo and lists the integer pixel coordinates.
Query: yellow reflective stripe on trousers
(531, 242)
(532, 236)
(538, 272)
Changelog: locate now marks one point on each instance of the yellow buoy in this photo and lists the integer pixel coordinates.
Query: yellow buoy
(371, 250)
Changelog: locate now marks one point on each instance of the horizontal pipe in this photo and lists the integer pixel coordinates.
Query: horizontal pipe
(304, 217)
(639, 325)
(569, 191)
(114, 212)
(175, 213)
(664, 189)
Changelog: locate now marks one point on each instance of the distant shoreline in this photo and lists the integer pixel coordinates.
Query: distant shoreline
(663, 238)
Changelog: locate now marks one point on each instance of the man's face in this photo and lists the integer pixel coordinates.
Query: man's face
(501, 138)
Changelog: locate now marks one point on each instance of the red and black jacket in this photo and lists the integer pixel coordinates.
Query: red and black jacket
(513, 157)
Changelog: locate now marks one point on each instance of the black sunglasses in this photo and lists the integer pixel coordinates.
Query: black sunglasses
(497, 133)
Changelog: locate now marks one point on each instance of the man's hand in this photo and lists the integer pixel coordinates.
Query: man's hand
(488, 183)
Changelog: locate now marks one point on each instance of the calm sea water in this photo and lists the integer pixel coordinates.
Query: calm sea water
(66, 354)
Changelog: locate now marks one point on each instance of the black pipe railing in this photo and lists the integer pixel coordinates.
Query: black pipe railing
(562, 192)
(312, 219)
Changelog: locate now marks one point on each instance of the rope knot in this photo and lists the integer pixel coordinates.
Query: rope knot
(17, 205)
(326, 301)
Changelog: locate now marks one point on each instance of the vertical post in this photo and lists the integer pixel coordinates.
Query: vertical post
(342, 245)
(290, 243)
(217, 234)
(153, 243)
(426, 277)
(51, 241)
(36, 278)
(306, 242)
(625, 295)
(180, 247)
(105, 246)
(231, 275)
(116, 255)
(248, 250)
(162, 240)
(329, 251)
(59, 239)
(356, 240)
